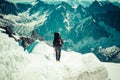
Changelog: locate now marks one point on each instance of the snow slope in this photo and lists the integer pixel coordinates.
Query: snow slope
(24, 23)
(17, 64)
(12, 58)
(113, 70)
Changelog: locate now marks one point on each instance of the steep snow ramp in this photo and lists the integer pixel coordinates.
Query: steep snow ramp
(15, 64)
(13, 59)
(73, 66)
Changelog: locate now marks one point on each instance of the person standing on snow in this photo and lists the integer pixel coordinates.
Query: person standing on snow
(57, 44)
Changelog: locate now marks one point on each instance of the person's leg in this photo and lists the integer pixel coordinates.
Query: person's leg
(59, 54)
(56, 53)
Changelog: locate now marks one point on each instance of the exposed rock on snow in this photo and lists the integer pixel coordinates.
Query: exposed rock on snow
(112, 53)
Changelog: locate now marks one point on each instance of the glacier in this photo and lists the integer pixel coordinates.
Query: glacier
(17, 64)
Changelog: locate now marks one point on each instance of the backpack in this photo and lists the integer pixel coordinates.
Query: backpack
(60, 42)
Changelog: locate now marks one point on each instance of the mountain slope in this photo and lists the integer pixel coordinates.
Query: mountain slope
(102, 7)
(84, 29)
(12, 8)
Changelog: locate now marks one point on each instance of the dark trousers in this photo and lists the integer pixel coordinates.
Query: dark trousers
(58, 53)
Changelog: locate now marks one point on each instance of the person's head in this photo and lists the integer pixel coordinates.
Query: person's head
(56, 35)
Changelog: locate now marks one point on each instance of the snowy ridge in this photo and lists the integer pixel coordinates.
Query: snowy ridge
(24, 23)
(12, 58)
(16, 64)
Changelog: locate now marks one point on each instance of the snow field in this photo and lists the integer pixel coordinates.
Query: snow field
(12, 58)
(113, 70)
(17, 64)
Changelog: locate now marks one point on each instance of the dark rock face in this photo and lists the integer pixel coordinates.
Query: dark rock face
(11, 8)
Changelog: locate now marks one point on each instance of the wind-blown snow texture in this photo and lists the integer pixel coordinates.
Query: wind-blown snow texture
(15, 64)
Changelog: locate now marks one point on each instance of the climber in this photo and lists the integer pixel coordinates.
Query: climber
(57, 44)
